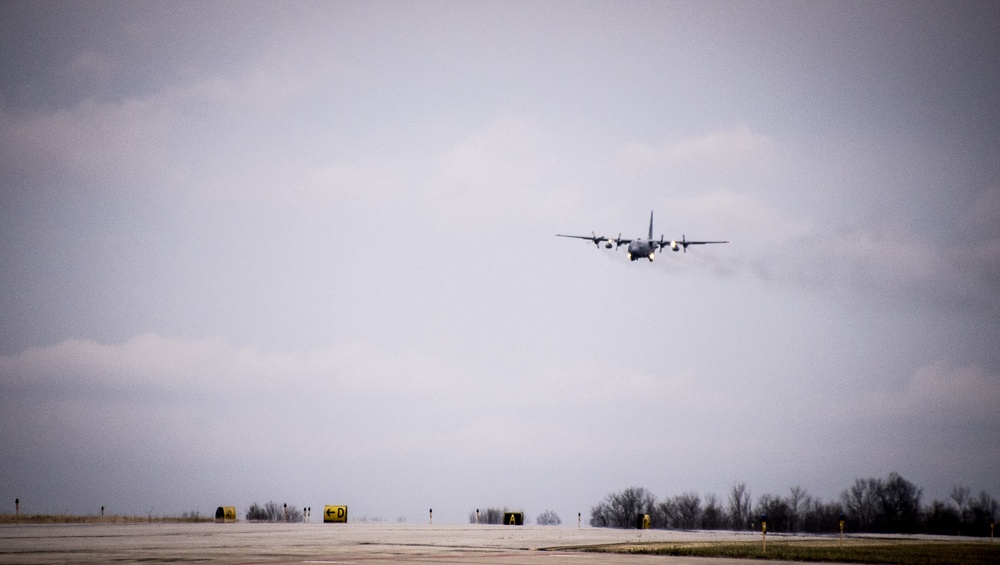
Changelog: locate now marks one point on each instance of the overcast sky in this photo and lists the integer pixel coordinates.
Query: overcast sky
(305, 252)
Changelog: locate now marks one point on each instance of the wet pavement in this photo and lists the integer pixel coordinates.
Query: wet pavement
(245, 543)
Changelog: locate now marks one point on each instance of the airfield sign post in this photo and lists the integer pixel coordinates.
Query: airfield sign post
(842, 530)
(763, 532)
(333, 514)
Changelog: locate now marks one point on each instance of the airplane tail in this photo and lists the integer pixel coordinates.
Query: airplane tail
(650, 238)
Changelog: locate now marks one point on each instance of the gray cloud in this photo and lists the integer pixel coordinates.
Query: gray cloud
(322, 239)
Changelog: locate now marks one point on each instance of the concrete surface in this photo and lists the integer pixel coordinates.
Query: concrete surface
(244, 543)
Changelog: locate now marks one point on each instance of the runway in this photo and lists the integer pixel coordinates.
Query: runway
(245, 544)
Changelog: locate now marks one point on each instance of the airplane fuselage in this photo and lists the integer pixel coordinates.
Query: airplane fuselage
(640, 248)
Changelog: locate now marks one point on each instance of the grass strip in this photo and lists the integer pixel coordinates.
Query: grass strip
(909, 552)
(73, 519)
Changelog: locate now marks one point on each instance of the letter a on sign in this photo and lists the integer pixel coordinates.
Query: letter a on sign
(513, 518)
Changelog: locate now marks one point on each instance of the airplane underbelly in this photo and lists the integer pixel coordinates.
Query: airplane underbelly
(638, 250)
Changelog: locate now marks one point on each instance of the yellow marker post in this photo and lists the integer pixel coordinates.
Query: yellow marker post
(763, 532)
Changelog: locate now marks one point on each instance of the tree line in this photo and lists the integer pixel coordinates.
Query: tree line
(273, 512)
(495, 516)
(890, 505)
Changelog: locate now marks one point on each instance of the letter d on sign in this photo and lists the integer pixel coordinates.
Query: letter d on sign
(334, 514)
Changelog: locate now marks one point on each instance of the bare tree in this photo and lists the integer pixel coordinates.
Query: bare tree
(689, 510)
(667, 514)
(900, 505)
(777, 511)
(548, 518)
(620, 509)
(875, 505)
(861, 503)
(967, 516)
(488, 516)
(941, 518)
(889, 505)
(961, 496)
(797, 501)
(982, 509)
(273, 512)
(739, 506)
(713, 517)
(820, 517)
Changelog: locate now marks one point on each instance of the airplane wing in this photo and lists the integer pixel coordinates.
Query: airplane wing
(675, 245)
(598, 239)
(703, 242)
(594, 238)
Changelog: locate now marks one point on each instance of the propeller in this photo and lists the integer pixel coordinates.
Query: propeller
(618, 241)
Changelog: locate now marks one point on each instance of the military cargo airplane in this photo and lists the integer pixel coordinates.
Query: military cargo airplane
(639, 248)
